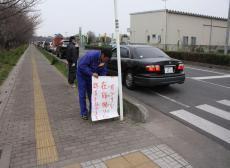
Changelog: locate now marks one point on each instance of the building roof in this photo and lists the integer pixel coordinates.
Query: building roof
(182, 13)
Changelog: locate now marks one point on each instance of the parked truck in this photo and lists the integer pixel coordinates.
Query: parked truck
(60, 45)
(57, 41)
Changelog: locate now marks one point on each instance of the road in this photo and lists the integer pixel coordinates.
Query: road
(202, 102)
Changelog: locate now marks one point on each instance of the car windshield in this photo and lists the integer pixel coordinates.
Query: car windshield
(149, 52)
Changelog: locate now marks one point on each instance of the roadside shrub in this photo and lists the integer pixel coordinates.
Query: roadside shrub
(8, 59)
(55, 62)
(216, 59)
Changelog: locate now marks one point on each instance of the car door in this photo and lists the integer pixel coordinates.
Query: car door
(112, 65)
(124, 58)
(113, 61)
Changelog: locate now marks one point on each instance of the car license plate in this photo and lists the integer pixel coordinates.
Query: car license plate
(168, 70)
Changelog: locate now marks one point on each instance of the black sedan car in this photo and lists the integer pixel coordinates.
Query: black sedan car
(144, 65)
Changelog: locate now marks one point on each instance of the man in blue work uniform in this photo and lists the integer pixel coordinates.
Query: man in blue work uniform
(92, 64)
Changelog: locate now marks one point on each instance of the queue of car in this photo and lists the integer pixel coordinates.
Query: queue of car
(142, 65)
(58, 46)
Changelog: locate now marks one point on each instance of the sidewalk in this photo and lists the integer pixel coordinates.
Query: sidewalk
(42, 123)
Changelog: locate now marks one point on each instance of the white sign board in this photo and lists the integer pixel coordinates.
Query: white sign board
(104, 98)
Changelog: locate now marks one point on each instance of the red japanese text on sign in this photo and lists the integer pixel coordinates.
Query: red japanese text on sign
(104, 98)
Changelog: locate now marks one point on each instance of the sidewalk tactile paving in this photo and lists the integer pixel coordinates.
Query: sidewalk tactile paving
(148, 165)
(143, 158)
(136, 158)
(74, 166)
(45, 145)
(118, 162)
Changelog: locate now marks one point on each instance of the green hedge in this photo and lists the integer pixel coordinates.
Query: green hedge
(8, 59)
(55, 62)
(216, 59)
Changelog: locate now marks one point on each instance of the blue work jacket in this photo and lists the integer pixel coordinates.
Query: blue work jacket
(89, 63)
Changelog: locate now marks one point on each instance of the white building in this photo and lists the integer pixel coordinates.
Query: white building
(176, 28)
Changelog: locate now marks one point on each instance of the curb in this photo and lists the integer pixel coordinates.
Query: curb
(135, 110)
(132, 107)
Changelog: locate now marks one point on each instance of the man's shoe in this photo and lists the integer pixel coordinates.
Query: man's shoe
(84, 117)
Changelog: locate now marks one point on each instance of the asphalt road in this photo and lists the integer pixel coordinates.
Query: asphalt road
(202, 102)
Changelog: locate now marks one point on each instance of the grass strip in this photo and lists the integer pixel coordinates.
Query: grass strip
(8, 59)
(55, 62)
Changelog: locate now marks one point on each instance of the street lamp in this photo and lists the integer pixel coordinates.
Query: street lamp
(118, 60)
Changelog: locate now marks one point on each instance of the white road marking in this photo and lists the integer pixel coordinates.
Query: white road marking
(215, 111)
(226, 87)
(205, 70)
(210, 77)
(205, 125)
(172, 100)
(224, 102)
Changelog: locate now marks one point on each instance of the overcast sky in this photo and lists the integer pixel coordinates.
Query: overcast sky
(66, 16)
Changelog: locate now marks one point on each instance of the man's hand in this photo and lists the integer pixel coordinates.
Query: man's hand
(101, 64)
(95, 75)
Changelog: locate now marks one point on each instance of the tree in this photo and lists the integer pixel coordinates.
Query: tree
(17, 22)
(10, 8)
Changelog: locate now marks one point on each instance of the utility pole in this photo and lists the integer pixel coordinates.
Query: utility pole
(166, 29)
(210, 37)
(165, 3)
(118, 60)
(227, 32)
(80, 36)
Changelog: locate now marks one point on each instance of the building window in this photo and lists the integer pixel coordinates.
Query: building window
(154, 36)
(193, 40)
(185, 40)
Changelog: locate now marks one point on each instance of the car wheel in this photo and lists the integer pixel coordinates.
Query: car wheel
(129, 80)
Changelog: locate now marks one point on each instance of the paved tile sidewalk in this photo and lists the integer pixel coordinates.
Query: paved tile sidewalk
(76, 140)
(150, 157)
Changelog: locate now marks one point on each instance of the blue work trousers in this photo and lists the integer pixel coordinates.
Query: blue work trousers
(84, 87)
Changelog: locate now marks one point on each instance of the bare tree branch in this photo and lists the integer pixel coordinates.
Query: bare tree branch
(13, 12)
(19, 6)
(4, 2)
